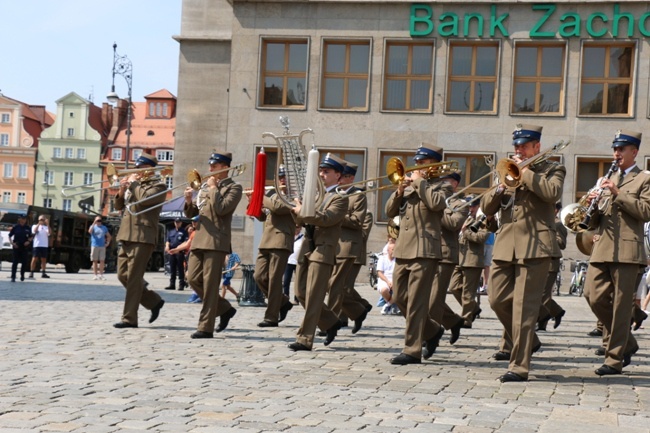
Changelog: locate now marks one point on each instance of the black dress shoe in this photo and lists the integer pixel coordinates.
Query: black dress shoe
(512, 377)
(558, 319)
(476, 314)
(536, 348)
(404, 359)
(120, 325)
(627, 358)
(284, 310)
(296, 347)
(431, 344)
(606, 370)
(358, 322)
(202, 334)
(368, 307)
(170, 288)
(225, 319)
(600, 351)
(542, 323)
(637, 325)
(501, 356)
(321, 333)
(265, 324)
(595, 333)
(155, 311)
(344, 324)
(455, 331)
(332, 333)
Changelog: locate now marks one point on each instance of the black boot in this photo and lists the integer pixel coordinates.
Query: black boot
(172, 285)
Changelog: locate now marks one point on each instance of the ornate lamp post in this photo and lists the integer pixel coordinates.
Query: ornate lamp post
(123, 66)
(46, 182)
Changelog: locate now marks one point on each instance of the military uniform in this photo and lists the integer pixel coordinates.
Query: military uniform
(549, 307)
(352, 295)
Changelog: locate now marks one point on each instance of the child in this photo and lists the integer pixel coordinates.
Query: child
(232, 262)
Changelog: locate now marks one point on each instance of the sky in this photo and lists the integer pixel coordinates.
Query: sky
(51, 48)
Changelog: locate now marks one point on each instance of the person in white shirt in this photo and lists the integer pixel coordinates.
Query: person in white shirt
(292, 263)
(385, 267)
(41, 244)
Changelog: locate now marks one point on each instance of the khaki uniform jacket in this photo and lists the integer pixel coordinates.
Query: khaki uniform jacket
(215, 216)
(362, 259)
(527, 221)
(327, 230)
(620, 227)
(420, 210)
(472, 246)
(279, 225)
(451, 223)
(142, 228)
(351, 241)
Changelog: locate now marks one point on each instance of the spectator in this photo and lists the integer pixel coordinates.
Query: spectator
(385, 267)
(232, 262)
(489, 246)
(292, 263)
(185, 249)
(41, 232)
(100, 238)
(20, 237)
(176, 237)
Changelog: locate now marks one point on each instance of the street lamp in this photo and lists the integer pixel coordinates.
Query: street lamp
(46, 182)
(123, 66)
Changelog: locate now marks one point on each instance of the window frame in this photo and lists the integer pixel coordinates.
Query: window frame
(56, 152)
(21, 197)
(116, 150)
(67, 205)
(472, 78)
(5, 140)
(87, 178)
(6, 196)
(385, 76)
(263, 74)
(68, 178)
(167, 155)
(4, 116)
(490, 159)
(70, 132)
(69, 153)
(604, 162)
(631, 80)
(81, 153)
(23, 171)
(8, 170)
(47, 203)
(538, 80)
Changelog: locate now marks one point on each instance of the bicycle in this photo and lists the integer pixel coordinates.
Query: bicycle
(372, 268)
(558, 279)
(579, 269)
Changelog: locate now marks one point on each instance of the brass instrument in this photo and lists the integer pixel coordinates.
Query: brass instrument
(266, 188)
(396, 172)
(114, 175)
(508, 172)
(194, 181)
(393, 227)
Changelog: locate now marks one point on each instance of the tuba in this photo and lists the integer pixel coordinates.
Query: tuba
(393, 227)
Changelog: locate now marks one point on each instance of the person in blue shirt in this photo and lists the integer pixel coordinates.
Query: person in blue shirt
(176, 237)
(21, 238)
(232, 262)
(100, 238)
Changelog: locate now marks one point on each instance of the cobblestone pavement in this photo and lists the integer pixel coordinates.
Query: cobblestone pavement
(65, 368)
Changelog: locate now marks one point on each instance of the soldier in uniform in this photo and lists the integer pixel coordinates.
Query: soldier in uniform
(420, 202)
(352, 295)
(618, 257)
(274, 250)
(525, 243)
(317, 257)
(215, 204)
(138, 235)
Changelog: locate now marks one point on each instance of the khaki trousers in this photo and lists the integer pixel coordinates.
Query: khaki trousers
(204, 277)
(438, 308)
(352, 293)
(132, 263)
(337, 283)
(609, 290)
(464, 283)
(412, 287)
(515, 295)
(269, 270)
(549, 306)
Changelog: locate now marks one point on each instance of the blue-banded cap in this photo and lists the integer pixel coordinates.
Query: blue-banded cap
(525, 133)
(224, 158)
(333, 162)
(195, 218)
(146, 159)
(428, 151)
(22, 215)
(454, 176)
(623, 138)
(282, 172)
(350, 168)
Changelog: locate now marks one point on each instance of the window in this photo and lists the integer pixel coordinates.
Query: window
(6, 196)
(22, 171)
(606, 79)
(150, 133)
(169, 181)
(8, 170)
(48, 177)
(71, 115)
(165, 155)
(284, 73)
(345, 75)
(81, 153)
(408, 76)
(6, 118)
(158, 109)
(165, 109)
(152, 109)
(68, 178)
(588, 171)
(472, 168)
(69, 152)
(67, 204)
(472, 77)
(47, 202)
(116, 154)
(70, 132)
(136, 154)
(56, 152)
(88, 178)
(4, 139)
(539, 78)
(383, 195)
(22, 197)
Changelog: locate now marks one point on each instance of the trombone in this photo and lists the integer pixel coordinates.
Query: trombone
(396, 172)
(194, 181)
(114, 176)
(508, 172)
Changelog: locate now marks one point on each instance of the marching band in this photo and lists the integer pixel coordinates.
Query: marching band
(439, 245)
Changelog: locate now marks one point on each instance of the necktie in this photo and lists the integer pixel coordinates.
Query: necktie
(620, 179)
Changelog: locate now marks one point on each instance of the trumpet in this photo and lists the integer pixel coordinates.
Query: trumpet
(113, 176)
(266, 188)
(194, 181)
(396, 173)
